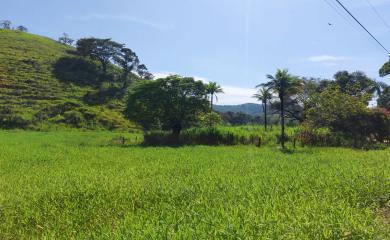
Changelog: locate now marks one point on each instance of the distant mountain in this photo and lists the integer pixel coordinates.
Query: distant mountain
(252, 109)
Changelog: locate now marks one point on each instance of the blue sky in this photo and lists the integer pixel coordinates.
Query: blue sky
(233, 42)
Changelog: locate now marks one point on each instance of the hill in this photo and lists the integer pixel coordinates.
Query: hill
(43, 83)
(252, 109)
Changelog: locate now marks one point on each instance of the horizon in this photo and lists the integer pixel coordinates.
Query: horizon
(233, 43)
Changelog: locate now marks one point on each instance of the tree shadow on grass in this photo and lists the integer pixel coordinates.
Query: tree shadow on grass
(78, 71)
(101, 96)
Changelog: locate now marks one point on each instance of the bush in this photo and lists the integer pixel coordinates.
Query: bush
(74, 118)
(321, 137)
(210, 119)
(200, 136)
(13, 120)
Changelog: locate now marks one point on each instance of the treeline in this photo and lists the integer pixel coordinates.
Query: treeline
(339, 105)
(330, 112)
(110, 67)
(7, 24)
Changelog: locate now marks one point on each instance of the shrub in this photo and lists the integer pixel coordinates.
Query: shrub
(321, 137)
(200, 136)
(13, 120)
(74, 118)
(210, 119)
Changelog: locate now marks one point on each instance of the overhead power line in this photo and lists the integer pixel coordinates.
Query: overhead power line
(341, 14)
(342, 5)
(378, 14)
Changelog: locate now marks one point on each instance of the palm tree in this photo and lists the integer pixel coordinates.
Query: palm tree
(264, 95)
(212, 89)
(282, 84)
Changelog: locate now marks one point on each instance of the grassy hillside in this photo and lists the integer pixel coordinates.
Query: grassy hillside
(67, 185)
(43, 84)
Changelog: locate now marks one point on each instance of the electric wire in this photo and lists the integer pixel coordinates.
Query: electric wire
(372, 36)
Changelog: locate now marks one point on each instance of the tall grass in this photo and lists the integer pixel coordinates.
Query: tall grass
(221, 135)
(81, 185)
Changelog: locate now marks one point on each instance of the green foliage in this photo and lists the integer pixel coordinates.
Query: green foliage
(349, 115)
(213, 89)
(76, 185)
(385, 70)
(102, 50)
(172, 103)
(332, 105)
(223, 135)
(252, 109)
(237, 119)
(21, 28)
(355, 84)
(284, 85)
(201, 136)
(384, 98)
(264, 95)
(210, 119)
(38, 74)
(77, 70)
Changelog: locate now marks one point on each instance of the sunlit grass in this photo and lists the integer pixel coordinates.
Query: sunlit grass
(87, 185)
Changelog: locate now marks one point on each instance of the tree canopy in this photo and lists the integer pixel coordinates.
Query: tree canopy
(103, 50)
(171, 103)
(385, 70)
(355, 83)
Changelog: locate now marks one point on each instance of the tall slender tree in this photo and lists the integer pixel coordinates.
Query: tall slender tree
(282, 84)
(129, 62)
(212, 89)
(264, 95)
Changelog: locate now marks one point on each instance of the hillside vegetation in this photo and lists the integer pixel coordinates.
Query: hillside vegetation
(247, 108)
(43, 84)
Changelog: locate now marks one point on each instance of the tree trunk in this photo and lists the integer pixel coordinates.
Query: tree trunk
(211, 102)
(176, 129)
(125, 84)
(104, 66)
(265, 116)
(282, 119)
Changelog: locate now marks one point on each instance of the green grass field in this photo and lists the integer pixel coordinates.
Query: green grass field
(85, 185)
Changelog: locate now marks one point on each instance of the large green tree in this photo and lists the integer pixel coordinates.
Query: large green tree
(171, 103)
(282, 84)
(347, 114)
(356, 83)
(103, 50)
(264, 95)
(128, 61)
